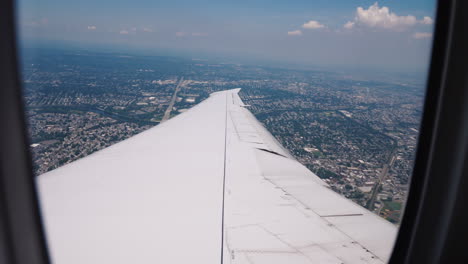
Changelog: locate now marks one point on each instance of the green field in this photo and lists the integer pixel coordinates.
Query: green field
(393, 206)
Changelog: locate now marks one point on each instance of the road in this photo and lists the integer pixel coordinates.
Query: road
(383, 175)
(167, 114)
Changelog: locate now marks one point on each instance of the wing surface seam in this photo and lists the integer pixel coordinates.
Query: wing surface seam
(324, 218)
(224, 178)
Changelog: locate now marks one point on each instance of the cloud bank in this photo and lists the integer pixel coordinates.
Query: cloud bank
(382, 18)
(349, 25)
(427, 20)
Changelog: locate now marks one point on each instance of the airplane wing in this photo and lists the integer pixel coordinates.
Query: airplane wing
(210, 185)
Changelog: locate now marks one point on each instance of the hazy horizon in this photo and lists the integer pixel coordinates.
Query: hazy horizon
(383, 35)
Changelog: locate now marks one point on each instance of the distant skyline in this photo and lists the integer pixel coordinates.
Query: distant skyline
(383, 34)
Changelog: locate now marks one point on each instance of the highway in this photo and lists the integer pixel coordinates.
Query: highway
(167, 114)
(383, 175)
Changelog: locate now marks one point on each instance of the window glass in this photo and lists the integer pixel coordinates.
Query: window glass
(339, 85)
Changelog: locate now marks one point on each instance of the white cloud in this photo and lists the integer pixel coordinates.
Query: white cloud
(180, 34)
(312, 24)
(92, 27)
(147, 30)
(349, 25)
(427, 20)
(123, 32)
(422, 35)
(382, 18)
(295, 33)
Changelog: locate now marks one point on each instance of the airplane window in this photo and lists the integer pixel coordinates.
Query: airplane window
(246, 131)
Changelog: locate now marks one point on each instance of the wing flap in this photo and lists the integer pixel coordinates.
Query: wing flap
(277, 210)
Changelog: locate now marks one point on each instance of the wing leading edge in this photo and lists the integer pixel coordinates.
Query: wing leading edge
(208, 186)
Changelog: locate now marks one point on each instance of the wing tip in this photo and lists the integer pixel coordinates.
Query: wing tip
(230, 91)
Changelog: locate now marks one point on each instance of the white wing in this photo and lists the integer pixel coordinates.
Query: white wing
(208, 186)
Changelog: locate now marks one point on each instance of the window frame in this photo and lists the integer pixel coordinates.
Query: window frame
(434, 227)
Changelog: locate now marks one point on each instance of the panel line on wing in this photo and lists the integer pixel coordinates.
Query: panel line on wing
(341, 215)
(278, 211)
(224, 180)
(272, 152)
(323, 217)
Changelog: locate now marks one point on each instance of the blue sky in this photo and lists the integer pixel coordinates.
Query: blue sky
(388, 34)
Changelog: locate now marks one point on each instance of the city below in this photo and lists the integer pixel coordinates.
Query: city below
(356, 133)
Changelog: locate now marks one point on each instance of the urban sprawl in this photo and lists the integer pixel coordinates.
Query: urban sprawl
(356, 133)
